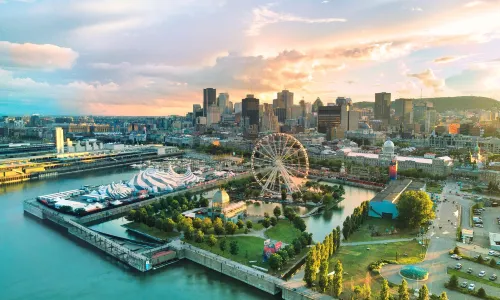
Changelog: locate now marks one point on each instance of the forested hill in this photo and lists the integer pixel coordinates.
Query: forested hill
(448, 103)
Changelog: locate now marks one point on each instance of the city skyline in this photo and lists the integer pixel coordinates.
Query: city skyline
(151, 58)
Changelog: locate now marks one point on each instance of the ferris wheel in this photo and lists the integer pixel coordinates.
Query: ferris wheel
(282, 160)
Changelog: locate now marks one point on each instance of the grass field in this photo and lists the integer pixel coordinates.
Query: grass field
(151, 230)
(355, 260)
(283, 231)
(363, 234)
(434, 187)
(472, 277)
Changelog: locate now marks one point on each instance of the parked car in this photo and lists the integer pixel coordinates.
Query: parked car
(479, 225)
(464, 284)
(471, 287)
(469, 270)
(481, 274)
(458, 266)
(476, 256)
(454, 256)
(493, 277)
(492, 253)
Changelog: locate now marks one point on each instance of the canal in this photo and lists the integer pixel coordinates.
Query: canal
(39, 261)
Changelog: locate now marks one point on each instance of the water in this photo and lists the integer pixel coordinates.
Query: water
(39, 261)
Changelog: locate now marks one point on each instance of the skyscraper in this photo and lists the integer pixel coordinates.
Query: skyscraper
(209, 99)
(59, 135)
(250, 115)
(197, 112)
(328, 118)
(316, 104)
(285, 98)
(403, 109)
(237, 107)
(382, 109)
(223, 102)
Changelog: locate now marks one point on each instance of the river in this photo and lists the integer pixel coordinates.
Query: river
(39, 261)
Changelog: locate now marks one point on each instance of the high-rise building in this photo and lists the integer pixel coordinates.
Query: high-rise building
(213, 115)
(403, 109)
(223, 102)
(250, 116)
(430, 120)
(280, 112)
(382, 109)
(420, 111)
(349, 119)
(285, 98)
(209, 98)
(230, 108)
(316, 104)
(35, 120)
(59, 135)
(237, 107)
(328, 118)
(197, 112)
(343, 101)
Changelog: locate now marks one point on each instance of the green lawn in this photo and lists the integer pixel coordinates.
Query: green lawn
(151, 230)
(355, 260)
(283, 231)
(384, 227)
(250, 249)
(473, 277)
(435, 188)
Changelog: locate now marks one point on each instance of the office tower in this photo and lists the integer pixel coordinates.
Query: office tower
(343, 101)
(430, 120)
(209, 99)
(349, 119)
(213, 115)
(250, 116)
(237, 107)
(382, 109)
(230, 108)
(280, 112)
(285, 98)
(328, 118)
(316, 104)
(197, 112)
(35, 120)
(420, 111)
(269, 120)
(403, 109)
(223, 102)
(296, 112)
(59, 135)
(278, 103)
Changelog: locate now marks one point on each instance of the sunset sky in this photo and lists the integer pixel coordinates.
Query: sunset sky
(154, 57)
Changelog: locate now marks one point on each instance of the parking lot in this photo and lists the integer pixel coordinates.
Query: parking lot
(476, 268)
(490, 223)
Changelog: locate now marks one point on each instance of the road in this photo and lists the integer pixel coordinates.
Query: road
(377, 242)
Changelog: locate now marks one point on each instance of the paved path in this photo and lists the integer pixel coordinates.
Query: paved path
(376, 242)
(259, 233)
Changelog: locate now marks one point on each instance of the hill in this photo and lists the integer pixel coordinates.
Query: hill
(443, 104)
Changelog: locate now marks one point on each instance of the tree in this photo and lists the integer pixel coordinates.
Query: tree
(240, 224)
(283, 194)
(423, 293)
(323, 276)
(199, 236)
(346, 227)
(211, 240)
(277, 212)
(453, 282)
(415, 209)
(275, 261)
(289, 213)
(168, 225)
(480, 259)
(443, 296)
(481, 293)
(284, 255)
(197, 223)
(273, 221)
(218, 226)
(266, 222)
(290, 249)
(459, 233)
(131, 215)
(362, 292)
(493, 263)
(223, 245)
(300, 224)
(337, 242)
(230, 227)
(297, 245)
(338, 279)
(189, 232)
(403, 293)
(456, 250)
(384, 292)
(234, 248)
(207, 224)
(249, 224)
(309, 271)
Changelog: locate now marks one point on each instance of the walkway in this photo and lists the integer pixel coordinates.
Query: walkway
(376, 242)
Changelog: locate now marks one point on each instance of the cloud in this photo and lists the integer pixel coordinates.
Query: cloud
(39, 56)
(479, 78)
(419, 9)
(263, 16)
(448, 59)
(429, 80)
(473, 3)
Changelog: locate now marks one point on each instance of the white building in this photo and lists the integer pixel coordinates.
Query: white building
(213, 115)
(59, 134)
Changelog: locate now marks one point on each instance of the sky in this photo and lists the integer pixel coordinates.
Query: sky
(154, 57)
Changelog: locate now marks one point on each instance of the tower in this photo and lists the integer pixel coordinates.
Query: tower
(59, 135)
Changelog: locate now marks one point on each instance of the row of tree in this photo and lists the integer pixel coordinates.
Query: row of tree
(358, 217)
(452, 284)
(294, 218)
(404, 294)
(317, 264)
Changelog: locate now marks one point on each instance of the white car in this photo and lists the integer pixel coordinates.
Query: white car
(492, 253)
(464, 284)
(471, 287)
(481, 274)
